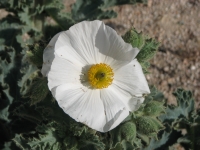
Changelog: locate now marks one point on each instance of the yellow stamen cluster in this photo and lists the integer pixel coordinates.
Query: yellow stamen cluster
(100, 76)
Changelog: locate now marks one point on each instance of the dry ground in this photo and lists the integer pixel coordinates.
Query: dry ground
(176, 25)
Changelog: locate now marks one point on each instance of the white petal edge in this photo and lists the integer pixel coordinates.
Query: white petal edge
(130, 78)
(116, 52)
(64, 49)
(48, 55)
(131, 102)
(97, 43)
(82, 104)
(60, 45)
(82, 37)
(100, 110)
(115, 110)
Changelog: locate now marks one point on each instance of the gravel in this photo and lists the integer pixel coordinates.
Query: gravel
(176, 25)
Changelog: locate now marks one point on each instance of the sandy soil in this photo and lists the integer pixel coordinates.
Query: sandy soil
(176, 25)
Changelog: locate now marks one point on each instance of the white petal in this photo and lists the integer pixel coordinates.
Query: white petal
(82, 37)
(82, 104)
(64, 49)
(63, 71)
(60, 45)
(48, 55)
(97, 43)
(130, 78)
(100, 110)
(131, 102)
(113, 47)
(135, 102)
(115, 110)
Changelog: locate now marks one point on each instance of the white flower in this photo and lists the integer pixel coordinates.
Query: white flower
(93, 75)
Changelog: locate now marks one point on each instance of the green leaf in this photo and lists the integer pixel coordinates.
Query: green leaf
(5, 69)
(10, 146)
(154, 95)
(158, 143)
(35, 53)
(54, 8)
(38, 90)
(143, 137)
(29, 113)
(184, 109)
(118, 146)
(110, 3)
(21, 142)
(47, 139)
(90, 10)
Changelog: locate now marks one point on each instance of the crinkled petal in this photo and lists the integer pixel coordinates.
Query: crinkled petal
(97, 43)
(115, 110)
(63, 71)
(131, 102)
(60, 45)
(116, 52)
(82, 104)
(130, 78)
(82, 37)
(135, 102)
(101, 110)
(65, 49)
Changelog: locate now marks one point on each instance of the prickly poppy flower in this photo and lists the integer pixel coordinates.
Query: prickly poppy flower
(93, 75)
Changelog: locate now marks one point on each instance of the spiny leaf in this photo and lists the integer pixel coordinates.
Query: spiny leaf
(29, 73)
(21, 142)
(10, 146)
(118, 146)
(110, 3)
(26, 112)
(143, 137)
(47, 138)
(5, 97)
(154, 95)
(38, 90)
(90, 10)
(158, 143)
(184, 109)
(54, 8)
(35, 53)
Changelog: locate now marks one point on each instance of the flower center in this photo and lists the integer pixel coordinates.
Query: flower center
(100, 76)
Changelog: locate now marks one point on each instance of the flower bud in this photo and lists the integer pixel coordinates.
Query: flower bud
(134, 38)
(154, 108)
(148, 125)
(128, 131)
